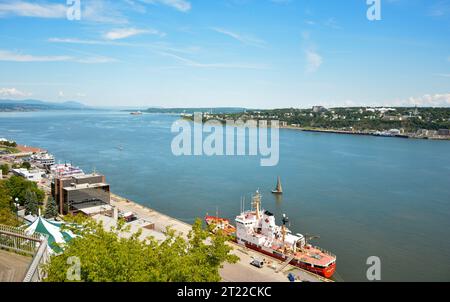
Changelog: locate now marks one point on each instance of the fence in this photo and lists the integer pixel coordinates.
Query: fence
(16, 240)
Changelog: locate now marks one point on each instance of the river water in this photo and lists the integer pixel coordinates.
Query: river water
(364, 196)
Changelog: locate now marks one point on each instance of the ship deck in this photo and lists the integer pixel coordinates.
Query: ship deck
(315, 256)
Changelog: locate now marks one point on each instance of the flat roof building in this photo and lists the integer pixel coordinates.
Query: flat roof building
(77, 193)
(34, 175)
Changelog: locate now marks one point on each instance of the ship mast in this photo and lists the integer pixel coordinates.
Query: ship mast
(285, 220)
(257, 203)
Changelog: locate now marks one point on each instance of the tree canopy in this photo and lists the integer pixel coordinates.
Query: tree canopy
(18, 187)
(51, 209)
(7, 215)
(104, 256)
(31, 203)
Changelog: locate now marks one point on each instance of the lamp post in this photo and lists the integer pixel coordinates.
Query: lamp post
(16, 204)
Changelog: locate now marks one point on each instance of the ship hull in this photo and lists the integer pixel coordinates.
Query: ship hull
(326, 272)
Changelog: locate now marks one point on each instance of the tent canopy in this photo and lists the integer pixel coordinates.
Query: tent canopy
(52, 229)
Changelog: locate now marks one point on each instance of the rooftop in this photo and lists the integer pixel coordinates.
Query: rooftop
(85, 186)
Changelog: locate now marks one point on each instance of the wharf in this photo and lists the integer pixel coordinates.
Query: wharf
(241, 271)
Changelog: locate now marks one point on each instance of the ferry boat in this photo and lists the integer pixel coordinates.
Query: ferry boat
(256, 229)
(65, 170)
(136, 113)
(43, 159)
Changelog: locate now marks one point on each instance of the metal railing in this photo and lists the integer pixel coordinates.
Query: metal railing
(36, 245)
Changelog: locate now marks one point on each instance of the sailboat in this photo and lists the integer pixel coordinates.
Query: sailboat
(278, 189)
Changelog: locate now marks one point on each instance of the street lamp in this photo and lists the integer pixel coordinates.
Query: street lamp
(16, 204)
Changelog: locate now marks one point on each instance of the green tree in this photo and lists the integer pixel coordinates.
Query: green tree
(5, 169)
(7, 210)
(31, 203)
(18, 186)
(26, 165)
(51, 210)
(118, 259)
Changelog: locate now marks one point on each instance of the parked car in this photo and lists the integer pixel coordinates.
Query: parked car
(257, 263)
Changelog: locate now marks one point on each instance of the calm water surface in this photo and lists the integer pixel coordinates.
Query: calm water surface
(364, 196)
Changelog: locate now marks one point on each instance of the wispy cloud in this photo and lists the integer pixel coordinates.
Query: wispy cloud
(11, 56)
(103, 11)
(444, 75)
(29, 9)
(13, 93)
(80, 41)
(313, 61)
(439, 9)
(432, 100)
(192, 63)
(180, 5)
(98, 11)
(239, 37)
(332, 23)
(123, 33)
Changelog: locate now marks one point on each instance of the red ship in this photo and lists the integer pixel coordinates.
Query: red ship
(256, 229)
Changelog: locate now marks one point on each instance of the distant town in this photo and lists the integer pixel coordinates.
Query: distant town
(426, 123)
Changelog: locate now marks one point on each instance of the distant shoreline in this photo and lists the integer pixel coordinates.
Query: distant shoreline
(344, 132)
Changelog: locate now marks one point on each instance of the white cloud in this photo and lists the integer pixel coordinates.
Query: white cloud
(100, 11)
(27, 9)
(192, 63)
(123, 33)
(10, 56)
(241, 38)
(13, 93)
(95, 60)
(180, 5)
(78, 41)
(313, 61)
(444, 75)
(435, 100)
(19, 57)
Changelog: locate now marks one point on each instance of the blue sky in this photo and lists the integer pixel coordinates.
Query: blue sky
(250, 53)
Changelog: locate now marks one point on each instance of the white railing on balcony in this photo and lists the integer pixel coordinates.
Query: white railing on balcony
(18, 241)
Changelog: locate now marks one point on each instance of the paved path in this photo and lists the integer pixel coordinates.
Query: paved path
(13, 267)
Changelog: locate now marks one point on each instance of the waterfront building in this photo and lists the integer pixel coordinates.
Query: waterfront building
(88, 194)
(318, 109)
(32, 175)
(444, 132)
